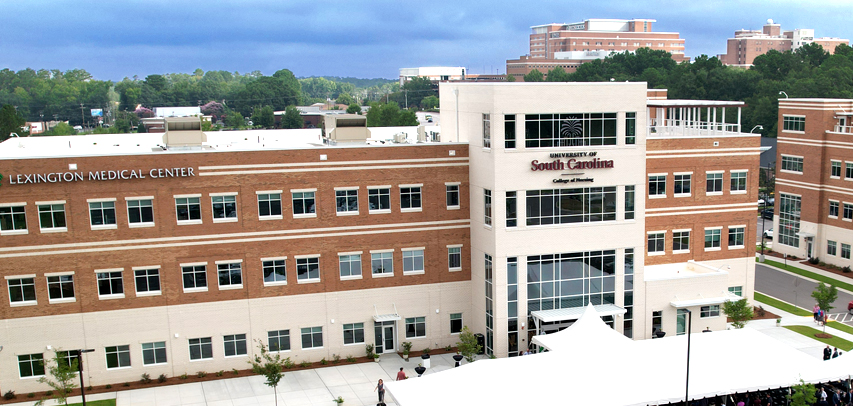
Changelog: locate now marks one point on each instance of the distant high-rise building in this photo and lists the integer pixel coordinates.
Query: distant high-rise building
(748, 44)
(569, 45)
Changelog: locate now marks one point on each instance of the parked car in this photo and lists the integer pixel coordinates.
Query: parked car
(768, 234)
(767, 214)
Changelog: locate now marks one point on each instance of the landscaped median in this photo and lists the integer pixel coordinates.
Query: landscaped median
(811, 275)
(762, 298)
(814, 333)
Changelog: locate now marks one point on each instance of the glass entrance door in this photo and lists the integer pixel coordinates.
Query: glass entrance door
(809, 241)
(681, 322)
(385, 339)
(388, 335)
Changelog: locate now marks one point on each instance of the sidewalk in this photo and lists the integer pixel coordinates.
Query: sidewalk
(313, 387)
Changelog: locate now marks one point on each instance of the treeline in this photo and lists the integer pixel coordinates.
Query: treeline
(807, 72)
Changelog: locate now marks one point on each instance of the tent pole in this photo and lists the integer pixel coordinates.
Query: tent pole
(687, 379)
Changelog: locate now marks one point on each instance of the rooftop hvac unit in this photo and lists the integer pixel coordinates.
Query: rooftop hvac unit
(400, 138)
(422, 136)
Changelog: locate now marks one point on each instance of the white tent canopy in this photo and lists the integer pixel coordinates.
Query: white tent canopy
(594, 364)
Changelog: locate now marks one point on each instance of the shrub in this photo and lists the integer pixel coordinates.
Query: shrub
(761, 311)
(323, 361)
(814, 260)
(9, 395)
(145, 378)
(235, 371)
(125, 384)
(201, 374)
(89, 388)
(220, 373)
(304, 364)
(426, 350)
(31, 395)
(350, 358)
(368, 349)
(183, 376)
(846, 269)
(448, 348)
(108, 386)
(288, 363)
(49, 393)
(336, 358)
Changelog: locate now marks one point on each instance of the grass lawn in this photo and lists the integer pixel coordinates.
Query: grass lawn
(832, 342)
(105, 402)
(840, 326)
(799, 311)
(802, 272)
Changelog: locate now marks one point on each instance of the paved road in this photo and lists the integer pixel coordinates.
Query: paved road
(768, 224)
(794, 289)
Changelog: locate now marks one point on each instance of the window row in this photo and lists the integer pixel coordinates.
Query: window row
(682, 183)
(792, 164)
(835, 170)
(845, 209)
(223, 207)
(832, 249)
(563, 130)
(681, 240)
(228, 275)
(562, 206)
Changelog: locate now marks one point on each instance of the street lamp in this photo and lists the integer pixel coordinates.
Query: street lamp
(783, 93)
(760, 127)
(687, 378)
(80, 372)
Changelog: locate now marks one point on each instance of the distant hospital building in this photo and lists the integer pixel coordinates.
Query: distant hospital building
(748, 44)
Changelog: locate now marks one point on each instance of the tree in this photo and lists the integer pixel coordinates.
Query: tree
(430, 102)
(825, 296)
(270, 366)
(263, 117)
(234, 120)
(213, 109)
(740, 312)
(10, 122)
(535, 76)
(406, 118)
(804, 394)
(354, 108)
(467, 344)
(291, 118)
(510, 78)
(344, 98)
(63, 374)
(61, 129)
(558, 74)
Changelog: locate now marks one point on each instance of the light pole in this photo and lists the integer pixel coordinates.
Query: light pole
(80, 372)
(783, 93)
(687, 378)
(760, 127)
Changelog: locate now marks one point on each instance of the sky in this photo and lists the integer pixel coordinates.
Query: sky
(358, 38)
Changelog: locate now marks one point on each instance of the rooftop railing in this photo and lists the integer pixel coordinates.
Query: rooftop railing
(685, 128)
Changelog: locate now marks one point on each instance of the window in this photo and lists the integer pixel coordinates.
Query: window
(738, 181)
(188, 209)
(140, 212)
(835, 169)
(312, 337)
(413, 261)
(793, 123)
(511, 209)
(307, 269)
(487, 131)
(201, 348)
(509, 131)
(848, 170)
(454, 258)
(279, 340)
(110, 284)
(275, 271)
(562, 206)
(60, 287)
(833, 209)
(230, 275)
(736, 236)
(455, 323)
(831, 248)
(12, 218)
(350, 265)
(410, 198)
(630, 128)
(737, 290)
(709, 311)
(346, 201)
(379, 199)
(657, 185)
(382, 263)
(22, 290)
(154, 353)
(792, 164)
(487, 207)
(681, 241)
(681, 185)
(303, 204)
(102, 213)
(52, 217)
(235, 344)
(848, 211)
(118, 356)
(714, 183)
(629, 202)
(147, 281)
(845, 251)
(68, 358)
(31, 365)
(195, 276)
(224, 207)
(789, 220)
(657, 243)
(269, 205)
(569, 130)
(712, 239)
(415, 327)
(354, 333)
(452, 196)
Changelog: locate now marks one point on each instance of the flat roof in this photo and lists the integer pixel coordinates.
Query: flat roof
(693, 103)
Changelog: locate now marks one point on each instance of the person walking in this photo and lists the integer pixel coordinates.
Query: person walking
(401, 376)
(827, 353)
(816, 312)
(381, 388)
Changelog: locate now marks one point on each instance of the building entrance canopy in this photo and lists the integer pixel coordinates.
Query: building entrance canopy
(592, 357)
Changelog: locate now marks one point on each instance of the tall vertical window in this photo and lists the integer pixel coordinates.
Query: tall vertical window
(275, 270)
(511, 209)
(52, 216)
(140, 212)
(487, 131)
(230, 275)
(657, 242)
(22, 290)
(657, 185)
(848, 170)
(736, 237)
(628, 304)
(712, 238)
(657, 321)
(224, 207)
(201, 348)
(487, 207)
(194, 276)
(110, 284)
(713, 183)
(511, 305)
(738, 181)
(410, 198)
(60, 287)
(454, 258)
(147, 281)
(303, 204)
(13, 218)
(681, 184)
(455, 323)
(833, 209)
(307, 269)
(279, 340)
(354, 333)
(154, 353)
(630, 128)
(680, 241)
(792, 164)
(789, 220)
(312, 337)
(350, 265)
(831, 247)
(102, 213)
(188, 209)
(845, 251)
(835, 169)
(452, 195)
(379, 199)
(509, 131)
(847, 213)
(346, 201)
(629, 202)
(269, 206)
(490, 305)
(235, 345)
(793, 123)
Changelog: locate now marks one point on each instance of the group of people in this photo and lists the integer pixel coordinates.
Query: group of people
(820, 316)
(830, 353)
(834, 397)
(401, 375)
(757, 400)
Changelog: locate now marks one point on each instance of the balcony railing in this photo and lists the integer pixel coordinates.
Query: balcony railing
(845, 129)
(685, 128)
